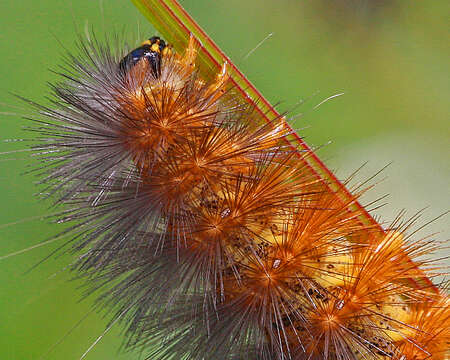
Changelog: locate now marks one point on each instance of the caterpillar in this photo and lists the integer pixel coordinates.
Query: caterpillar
(184, 334)
(205, 231)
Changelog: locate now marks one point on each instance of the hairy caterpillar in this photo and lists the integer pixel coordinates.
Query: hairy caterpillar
(206, 231)
(275, 259)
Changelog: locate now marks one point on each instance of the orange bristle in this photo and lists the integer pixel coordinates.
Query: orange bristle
(427, 331)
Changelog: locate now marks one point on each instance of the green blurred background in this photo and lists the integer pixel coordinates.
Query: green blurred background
(389, 57)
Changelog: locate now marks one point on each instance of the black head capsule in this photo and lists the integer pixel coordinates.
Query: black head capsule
(152, 50)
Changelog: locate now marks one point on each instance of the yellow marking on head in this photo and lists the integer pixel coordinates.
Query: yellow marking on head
(146, 42)
(155, 47)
